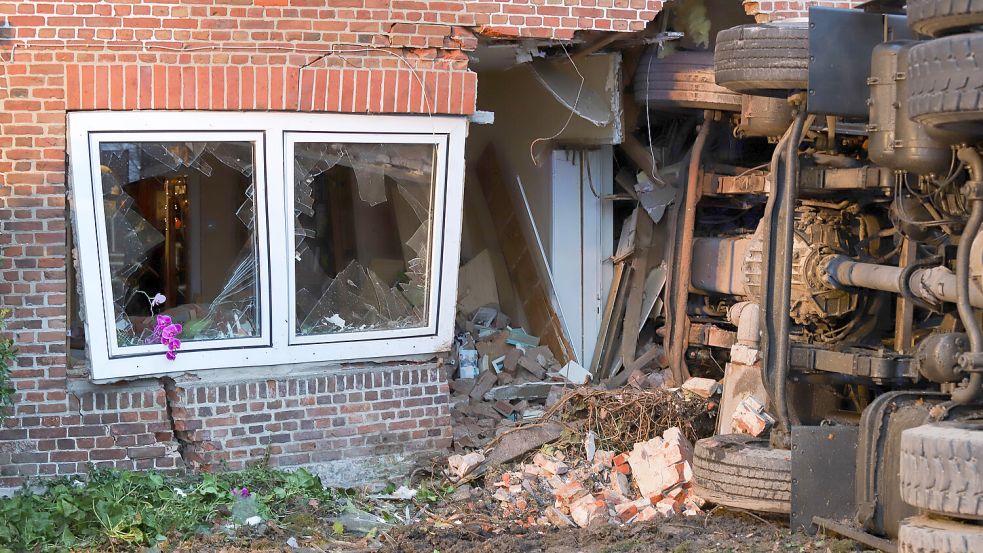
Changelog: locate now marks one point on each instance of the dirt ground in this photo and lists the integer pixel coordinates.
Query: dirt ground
(720, 532)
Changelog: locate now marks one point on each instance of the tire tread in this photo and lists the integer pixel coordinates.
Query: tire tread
(942, 469)
(926, 535)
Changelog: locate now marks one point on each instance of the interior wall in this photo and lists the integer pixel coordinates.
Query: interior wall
(526, 111)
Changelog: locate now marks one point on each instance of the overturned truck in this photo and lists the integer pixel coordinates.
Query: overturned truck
(833, 229)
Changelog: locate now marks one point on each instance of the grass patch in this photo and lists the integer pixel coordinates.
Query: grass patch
(116, 509)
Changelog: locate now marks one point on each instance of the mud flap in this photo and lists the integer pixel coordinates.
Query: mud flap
(823, 469)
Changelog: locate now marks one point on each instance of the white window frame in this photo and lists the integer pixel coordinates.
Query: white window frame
(273, 134)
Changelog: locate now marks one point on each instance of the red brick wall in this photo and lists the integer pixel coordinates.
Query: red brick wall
(316, 23)
(360, 56)
(323, 418)
(776, 10)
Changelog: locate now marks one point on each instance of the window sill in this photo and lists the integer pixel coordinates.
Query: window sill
(82, 370)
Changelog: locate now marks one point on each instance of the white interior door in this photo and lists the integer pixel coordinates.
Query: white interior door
(582, 240)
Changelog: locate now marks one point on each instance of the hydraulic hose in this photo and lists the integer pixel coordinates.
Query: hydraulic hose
(971, 392)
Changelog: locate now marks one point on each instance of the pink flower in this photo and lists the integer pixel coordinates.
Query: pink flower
(170, 331)
(166, 332)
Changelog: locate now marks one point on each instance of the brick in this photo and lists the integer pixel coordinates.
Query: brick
(703, 387)
(145, 452)
(588, 512)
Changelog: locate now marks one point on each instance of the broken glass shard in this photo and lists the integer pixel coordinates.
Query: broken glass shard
(370, 176)
(180, 222)
(362, 243)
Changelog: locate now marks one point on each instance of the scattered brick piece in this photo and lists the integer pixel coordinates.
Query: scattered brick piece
(649, 513)
(666, 507)
(604, 458)
(620, 484)
(703, 387)
(557, 518)
(462, 465)
(626, 512)
(570, 491)
(550, 466)
(661, 463)
(588, 512)
(750, 418)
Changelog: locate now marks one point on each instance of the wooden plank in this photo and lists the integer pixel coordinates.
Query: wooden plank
(531, 289)
(633, 307)
(614, 308)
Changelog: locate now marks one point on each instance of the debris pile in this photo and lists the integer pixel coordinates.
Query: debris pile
(503, 377)
(587, 486)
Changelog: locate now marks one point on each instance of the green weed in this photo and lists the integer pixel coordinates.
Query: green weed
(117, 509)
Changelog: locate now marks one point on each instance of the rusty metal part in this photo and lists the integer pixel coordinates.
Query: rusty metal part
(722, 185)
(818, 230)
(845, 178)
(860, 362)
(682, 79)
(717, 265)
(706, 334)
(764, 116)
(931, 284)
(896, 141)
(855, 534)
(684, 246)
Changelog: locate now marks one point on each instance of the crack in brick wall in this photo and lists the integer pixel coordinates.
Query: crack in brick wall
(351, 413)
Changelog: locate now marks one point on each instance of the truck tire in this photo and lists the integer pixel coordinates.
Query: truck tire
(928, 535)
(737, 470)
(943, 17)
(945, 86)
(942, 468)
(763, 59)
(682, 79)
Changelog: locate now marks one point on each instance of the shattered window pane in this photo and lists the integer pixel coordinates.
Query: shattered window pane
(363, 232)
(180, 223)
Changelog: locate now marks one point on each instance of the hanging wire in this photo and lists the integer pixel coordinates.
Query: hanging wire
(580, 91)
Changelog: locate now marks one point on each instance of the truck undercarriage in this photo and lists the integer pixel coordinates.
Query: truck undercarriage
(831, 230)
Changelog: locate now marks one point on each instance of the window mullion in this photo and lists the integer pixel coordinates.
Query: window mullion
(280, 236)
